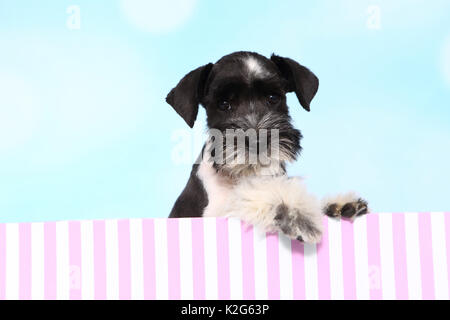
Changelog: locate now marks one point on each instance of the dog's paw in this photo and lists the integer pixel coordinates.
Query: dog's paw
(349, 210)
(296, 225)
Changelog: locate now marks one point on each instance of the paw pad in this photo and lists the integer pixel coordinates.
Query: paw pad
(349, 210)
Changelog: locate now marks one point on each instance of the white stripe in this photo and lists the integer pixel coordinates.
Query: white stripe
(286, 281)
(361, 258)
(87, 259)
(211, 283)
(260, 263)
(12, 261)
(439, 255)
(311, 274)
(413, 256)
(336, 267)
(137, 259)
(112, 259)
(161, 258)
(387, 256)
(62, 261)
(37, 261)
(235, 254)
(186, 272)
(255, 68)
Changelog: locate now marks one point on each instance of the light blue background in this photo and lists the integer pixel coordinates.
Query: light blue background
(85, 132)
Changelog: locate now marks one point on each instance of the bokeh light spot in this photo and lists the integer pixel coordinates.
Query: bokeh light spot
(157, 16)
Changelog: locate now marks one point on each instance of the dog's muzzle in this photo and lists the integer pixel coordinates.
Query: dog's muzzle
(248, 144)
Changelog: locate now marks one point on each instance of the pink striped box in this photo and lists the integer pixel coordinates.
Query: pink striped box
(379, 256)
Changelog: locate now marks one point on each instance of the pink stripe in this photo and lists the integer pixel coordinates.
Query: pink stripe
(123, 229)
(426, 256)
(447, 243)
(248, 262)
(373, 247)
(348, 260)
(401, 280)
(273, 266)
(223, 260)
(99, 260)
(75, 259)
(2, 261)
(25, 261)
(50, 260)
(323, 263)
(148, 230)
(173, 252)
(198, 259)
(298, 269)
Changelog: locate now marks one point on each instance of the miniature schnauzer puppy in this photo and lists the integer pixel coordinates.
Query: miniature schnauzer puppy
(241, 169)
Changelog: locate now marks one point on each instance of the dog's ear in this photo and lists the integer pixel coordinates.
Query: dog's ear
(299, 78)
(186, 96)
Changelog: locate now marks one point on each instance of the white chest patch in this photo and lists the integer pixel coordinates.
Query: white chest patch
(217, 187)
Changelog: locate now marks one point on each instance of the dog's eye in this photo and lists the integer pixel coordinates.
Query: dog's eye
(224, 105)
(273, 98)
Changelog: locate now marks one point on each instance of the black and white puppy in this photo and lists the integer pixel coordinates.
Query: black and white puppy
(243, 93)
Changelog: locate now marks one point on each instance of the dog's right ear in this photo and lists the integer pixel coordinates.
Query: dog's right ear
(186, 96)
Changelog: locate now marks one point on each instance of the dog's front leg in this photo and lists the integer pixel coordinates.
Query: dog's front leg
(277, 204)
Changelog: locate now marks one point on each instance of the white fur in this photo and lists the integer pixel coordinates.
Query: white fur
(238, 164)
(254, 68)
(255, 200)
(217, 187)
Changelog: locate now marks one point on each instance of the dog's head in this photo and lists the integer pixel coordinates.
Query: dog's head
(246, 91)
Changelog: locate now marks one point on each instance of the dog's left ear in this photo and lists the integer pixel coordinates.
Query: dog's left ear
(300, 79)
(186, 96)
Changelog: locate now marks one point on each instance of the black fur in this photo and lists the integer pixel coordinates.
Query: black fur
(192, 200)
(186, 96)
(300, 80)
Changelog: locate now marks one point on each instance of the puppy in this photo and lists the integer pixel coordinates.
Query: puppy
(241, 169)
